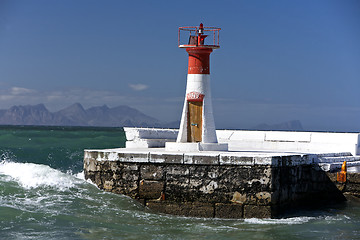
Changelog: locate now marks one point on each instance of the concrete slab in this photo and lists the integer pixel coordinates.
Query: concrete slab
(166, 157)
(161, 155)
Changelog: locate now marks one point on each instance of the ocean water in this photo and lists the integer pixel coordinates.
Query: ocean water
(43, 195)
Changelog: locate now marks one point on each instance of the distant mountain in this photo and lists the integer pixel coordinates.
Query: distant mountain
(31, 115)
(76, 115)
(101, 116)
(294, 125)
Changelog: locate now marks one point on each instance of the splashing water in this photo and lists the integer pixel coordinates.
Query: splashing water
(30, 175)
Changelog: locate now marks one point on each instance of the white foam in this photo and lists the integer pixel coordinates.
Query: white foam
(80, 175)
(288, 221)
(30, 175)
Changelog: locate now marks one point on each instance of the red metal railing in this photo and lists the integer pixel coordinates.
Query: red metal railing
(186, 34)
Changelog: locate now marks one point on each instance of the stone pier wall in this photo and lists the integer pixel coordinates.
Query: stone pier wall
(349, 188)
(219, 185)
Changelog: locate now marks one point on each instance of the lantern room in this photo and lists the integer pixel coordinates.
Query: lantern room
(189, 37)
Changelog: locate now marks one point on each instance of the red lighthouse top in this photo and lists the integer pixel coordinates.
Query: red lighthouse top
(192, 37)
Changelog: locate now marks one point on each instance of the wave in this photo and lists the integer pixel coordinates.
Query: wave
(30, 175)
(286, 221)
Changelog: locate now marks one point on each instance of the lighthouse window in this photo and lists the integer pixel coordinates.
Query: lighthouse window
(193, 40)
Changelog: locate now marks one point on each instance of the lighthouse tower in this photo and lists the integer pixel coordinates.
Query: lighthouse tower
(197, 130)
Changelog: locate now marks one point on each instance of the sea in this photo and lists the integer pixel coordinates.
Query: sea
(43, 195)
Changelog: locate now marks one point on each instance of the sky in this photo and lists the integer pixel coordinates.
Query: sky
(278, 61)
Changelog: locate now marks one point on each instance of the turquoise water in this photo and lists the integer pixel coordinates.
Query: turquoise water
(43, 195)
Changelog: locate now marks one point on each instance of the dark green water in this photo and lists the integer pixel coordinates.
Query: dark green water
(43, 195)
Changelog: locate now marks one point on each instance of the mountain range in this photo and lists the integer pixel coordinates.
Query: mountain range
(101, 116)
(76, 115)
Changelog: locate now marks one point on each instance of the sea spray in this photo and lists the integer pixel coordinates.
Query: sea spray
(30, 175)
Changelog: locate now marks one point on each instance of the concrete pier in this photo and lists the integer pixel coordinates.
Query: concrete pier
(214, 184)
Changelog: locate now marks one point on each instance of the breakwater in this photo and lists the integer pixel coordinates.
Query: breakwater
(43, 197)
(215, 184)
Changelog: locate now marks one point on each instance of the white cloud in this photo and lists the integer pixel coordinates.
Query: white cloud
(57, 99)
(20, 91)
(138, 86)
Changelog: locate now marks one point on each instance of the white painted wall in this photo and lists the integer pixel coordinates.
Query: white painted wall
(199, 83)
(275, 141)
(134, 134)
(306, 142)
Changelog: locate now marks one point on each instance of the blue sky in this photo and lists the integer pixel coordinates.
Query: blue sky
(278, 61)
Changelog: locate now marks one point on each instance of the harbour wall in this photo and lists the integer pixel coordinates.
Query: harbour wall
(240, 140)
(222, 184)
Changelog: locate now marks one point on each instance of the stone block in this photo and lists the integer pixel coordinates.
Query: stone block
(263, 198)
(90, 175)
(129, 175)
(150, 189)
(141, 201)
(275, 197)
(89, 154)
(309, 159)
(203, 172)
(254, 211)
(231, 159)
(293, 160)
(166, 158)
(275, 179)
(203, 159)
(353, 177)
(304, 187)
(319, 176)
(98, 179)
(133, 157)
(306, 174)
(195, 209)
(90, 165)
(352, 187)
(341, 186)
(239, 179)
(177, 173)
(152, 172)
(260, 179)
(129, 188)
(104, 155)
(114, 166)
(108, 185)
(208, 187)
(129, 167)
(179, 192)
(239, 198)
(264, 161)
(106, 165)
(106, 176)
(284, 194)
(195, 183)
(223, 210)
(251, 198)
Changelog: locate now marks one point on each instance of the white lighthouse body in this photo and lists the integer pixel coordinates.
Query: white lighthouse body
(198, 84)
(197, 130)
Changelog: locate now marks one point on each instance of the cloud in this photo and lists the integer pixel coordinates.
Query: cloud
(228, 112)
(57, 99)
(138, 86)
(21, 91)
